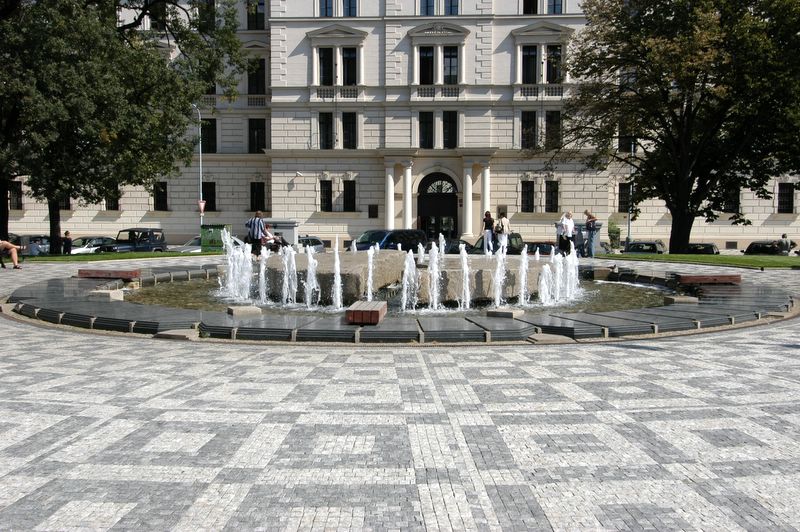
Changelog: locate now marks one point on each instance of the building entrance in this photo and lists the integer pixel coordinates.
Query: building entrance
(437, 206)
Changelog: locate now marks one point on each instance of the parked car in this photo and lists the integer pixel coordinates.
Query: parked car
(451, 245)
(515, 244)
(137, 239)
(193, 245)
(90, 244)
(32, 244)
(545, 248)
(766, 247)
(388, 239)
(702, 248)
(313, 241)
(645, 246)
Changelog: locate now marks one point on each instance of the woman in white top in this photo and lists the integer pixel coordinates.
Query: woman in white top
(502, 236)
(567, 232)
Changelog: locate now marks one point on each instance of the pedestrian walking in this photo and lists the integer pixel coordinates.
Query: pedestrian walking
(488, 230)
(256, 231)
(591, 232)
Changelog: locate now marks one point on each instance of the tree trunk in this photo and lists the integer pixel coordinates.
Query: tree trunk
(4, 208)
(53, 209)
(681, 231)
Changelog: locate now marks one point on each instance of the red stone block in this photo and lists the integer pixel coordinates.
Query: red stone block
(109, 274)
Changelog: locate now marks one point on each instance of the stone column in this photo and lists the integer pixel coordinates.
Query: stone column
(485, 189)
(438, 64)
(466, 212)
(407, 182)
(337, 61)
(315, 66)
(389, 196)
(415, 65)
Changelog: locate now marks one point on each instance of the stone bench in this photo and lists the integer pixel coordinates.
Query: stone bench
(708, 279)
(110, 274)
(366, 312)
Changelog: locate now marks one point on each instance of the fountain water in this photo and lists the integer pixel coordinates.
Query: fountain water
(523, 277)
(336, 295)
(410, 293)
(464, 302)
(262, 276)
(353, 247)
(536, 254)
(434, 278)
(499, 277)
(370, 266)
(546, 286)
(289, 291)
(420, 253)
(237, 281)
(311, 284)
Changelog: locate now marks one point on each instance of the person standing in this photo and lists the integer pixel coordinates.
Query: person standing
(591, 231)
(567, 233)
(504, 229)
(488, 230)
(255, 232)
(66, 244)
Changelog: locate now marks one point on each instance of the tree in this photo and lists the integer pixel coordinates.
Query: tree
(92, 105)
(708, 92)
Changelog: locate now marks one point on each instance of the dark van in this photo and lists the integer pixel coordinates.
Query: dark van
(389, 239)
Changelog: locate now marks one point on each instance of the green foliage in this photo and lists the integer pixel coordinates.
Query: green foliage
(92, 105)
(708, 89)
(614, 234)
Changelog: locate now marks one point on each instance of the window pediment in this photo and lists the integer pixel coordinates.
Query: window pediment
(438, 33)
(336, 34)
(255, 46)
(542, 32)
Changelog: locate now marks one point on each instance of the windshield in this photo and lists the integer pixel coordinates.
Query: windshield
(371, 237)
(193, 242)
(126, 236)
(78, 242)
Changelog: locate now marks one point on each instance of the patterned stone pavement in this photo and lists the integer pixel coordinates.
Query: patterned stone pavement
(127, 432)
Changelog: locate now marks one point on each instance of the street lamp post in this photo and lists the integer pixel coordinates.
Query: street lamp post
(630, 194)
(201, 204)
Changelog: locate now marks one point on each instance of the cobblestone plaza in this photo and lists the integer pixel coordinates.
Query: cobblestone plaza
(108, 431)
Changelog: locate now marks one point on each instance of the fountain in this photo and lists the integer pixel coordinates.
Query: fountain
(410, 293)
(336, 293)
(437, 280)
(420, 253)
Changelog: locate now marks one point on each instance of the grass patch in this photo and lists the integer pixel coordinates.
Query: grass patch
(93, 257)
(738, 261)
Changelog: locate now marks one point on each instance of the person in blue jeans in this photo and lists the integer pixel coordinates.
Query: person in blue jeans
(591, 231)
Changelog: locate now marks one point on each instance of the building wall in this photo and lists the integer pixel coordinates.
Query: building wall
(489, 106)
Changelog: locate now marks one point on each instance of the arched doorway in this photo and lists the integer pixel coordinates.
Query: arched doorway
(437, 206)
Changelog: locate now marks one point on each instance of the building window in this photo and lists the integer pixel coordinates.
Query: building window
(258, 196)
(349, 196)
(451, 7)
(529, 54)
(255, 14)
(160, 196)
(208, 134)
(426, 8)
(731, 201)
(207, 15)
(326, 195)
(785, 198)
(450, 65)
(350, 8)
(326, 8)
(65, 204)
(257, 135)
(551, 196)
(326, 67)
(528, 130)
(529, 7)
(326, 131)
(552, 130)
(112, 201)
(158, 16)
(349, 131)
(426, 130)
(15, 195)
(624, 197)
(554, 74)
(554, 7)
(527, 198)
(257, 80)
(450, 129)
(210, 195)
(349, 66)
(426, 65)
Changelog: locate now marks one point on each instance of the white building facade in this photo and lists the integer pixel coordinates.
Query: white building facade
(372, 114)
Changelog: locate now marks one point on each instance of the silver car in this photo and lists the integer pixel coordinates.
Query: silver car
(89, 244)
(313, 241)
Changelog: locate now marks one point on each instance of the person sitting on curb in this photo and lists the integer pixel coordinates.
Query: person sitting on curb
(13, 250)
